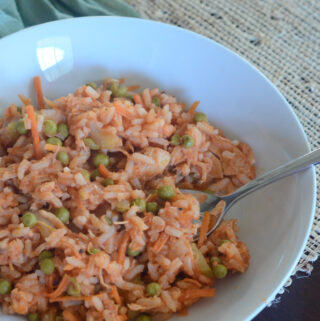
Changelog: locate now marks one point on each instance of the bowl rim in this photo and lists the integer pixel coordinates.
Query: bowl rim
(275, 90)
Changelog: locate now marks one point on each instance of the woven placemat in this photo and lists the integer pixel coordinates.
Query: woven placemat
(282, 39)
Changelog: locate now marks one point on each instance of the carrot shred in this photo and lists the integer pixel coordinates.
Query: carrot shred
(123, 248)
(75, 298)
(26, 101)
(34, 131)
(191, 294)
(193, 107)
(152, 197)
(122, 111)
(115, 294)
(103, 170)
(183, 312)
(50, 103)
(122, 80)
(69, 316)
(160, 242)
(63, 285)
(137, 99)
(133, 87)
(204, 228)
(37, 84)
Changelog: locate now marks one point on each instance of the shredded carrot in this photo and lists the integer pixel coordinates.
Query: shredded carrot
(204, 228)
(63, 285)
(191, 294)
(122, 111)
(183, 312)
(137, 99)
(122, 80)
(123, 248)
(34, 131)
(84, 92)
(132, 88)
(160, 242)
(75, 298)
(50, 103)
(115, 294)
(37, 84)
(103, 170)
(69, 316)
(152, 197)
(193, 107)
(26, 101)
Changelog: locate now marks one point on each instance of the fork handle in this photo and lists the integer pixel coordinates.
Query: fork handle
(292, 167)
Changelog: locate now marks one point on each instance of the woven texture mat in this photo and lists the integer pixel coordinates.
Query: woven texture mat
(282, 39)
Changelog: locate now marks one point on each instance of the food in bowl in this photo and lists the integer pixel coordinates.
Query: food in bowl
(93, 224)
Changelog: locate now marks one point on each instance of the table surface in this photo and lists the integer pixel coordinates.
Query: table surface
(300, 302)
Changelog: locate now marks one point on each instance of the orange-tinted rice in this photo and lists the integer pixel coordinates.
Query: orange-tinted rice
(135, 133)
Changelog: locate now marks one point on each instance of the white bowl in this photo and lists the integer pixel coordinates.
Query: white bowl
(275, 222)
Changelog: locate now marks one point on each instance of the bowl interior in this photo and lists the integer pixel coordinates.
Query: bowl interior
(275, 221)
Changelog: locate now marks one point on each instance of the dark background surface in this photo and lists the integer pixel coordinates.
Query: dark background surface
(300, 302)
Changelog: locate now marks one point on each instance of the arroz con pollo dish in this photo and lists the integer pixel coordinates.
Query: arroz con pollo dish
(92, 223)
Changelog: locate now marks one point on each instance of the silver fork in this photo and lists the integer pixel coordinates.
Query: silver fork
(292, 167)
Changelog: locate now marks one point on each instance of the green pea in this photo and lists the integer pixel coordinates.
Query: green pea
(20, 127)
(91, 143)
(63, 214)
(152, 207)
(92, 84)
(109, 220)
(85, 174)
(63, 158)
(140, 203)
(101, 159)
(123, 206)
(29, 219)
(175, 139)
(107, 182)
(47, 266)
(33, 316)
(50, 127)
(200, 117)
(94, 250)
(143, 317)
(156, 100)
(74, 288)
(63, 131)
(153, 289)
(187, 141)
(54, 141)
(166, 192)
(5, 287)
(45, 255)
(133, 253)
(12, 130)
(122, 92)
(118, 91)
(215, 260)
(220, 271)
(94, 175)
(223, 242)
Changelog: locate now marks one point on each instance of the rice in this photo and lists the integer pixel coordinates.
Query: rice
(118, 235)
